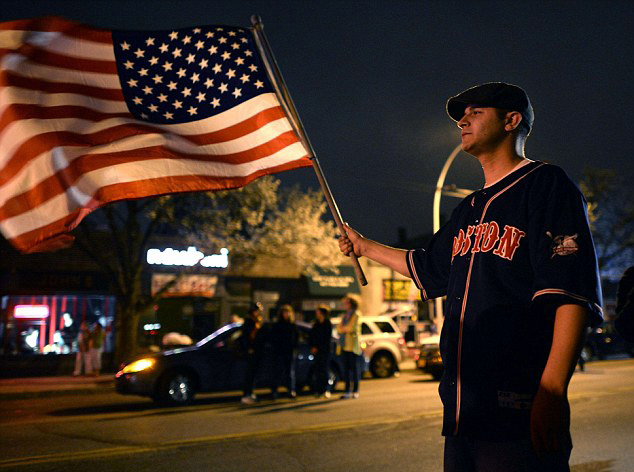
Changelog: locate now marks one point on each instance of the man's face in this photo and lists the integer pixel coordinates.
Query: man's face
(482, 129)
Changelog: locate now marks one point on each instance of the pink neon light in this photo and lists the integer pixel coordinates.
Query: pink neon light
(34, 312)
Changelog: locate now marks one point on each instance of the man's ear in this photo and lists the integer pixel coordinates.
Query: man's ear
(512, 120)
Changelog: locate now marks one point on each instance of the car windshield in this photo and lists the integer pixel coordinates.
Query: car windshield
(218, 332)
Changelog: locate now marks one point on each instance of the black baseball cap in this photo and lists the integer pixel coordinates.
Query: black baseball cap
(493, 94)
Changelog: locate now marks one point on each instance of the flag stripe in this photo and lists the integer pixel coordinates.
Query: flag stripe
(79, 195)
(57, 25)
(44, 57)
(63, 179)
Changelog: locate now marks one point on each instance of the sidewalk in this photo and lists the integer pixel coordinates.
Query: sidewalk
(31, 387)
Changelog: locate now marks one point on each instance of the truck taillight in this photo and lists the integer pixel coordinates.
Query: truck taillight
(401, 341)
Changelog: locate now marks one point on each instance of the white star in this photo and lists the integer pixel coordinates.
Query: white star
(195, 77)
(196, 30)
(192, 111)
(149, 42)
(125, 46)
(236, 92)
(209, 34)
(217, 68)
(153, 108)
(232, 33)
(226, 55)
(143, 72)
(187, 39)
(163, 47)
(222, 40)
(248, 53)
(253, 67)
(153, 61)
(212, 50)
(181, 72)
(259, 84)
(200, 96)
(231, 73)
(137, 100)
(132, 82)
(235, 46)
(167, 66)
(239, 61)
(199, 45)
(157, 79)
(162, 98)
(177, 52)
(168, 115)
(191, 58)
(173, 35)
(177, 104)
(172, 85)
(244, 78)
(187, 92)
(147, 89)
(215, 102)
(144, 116)
(223, 87)
(244, 40)
(209, 83)
(203, 63)
(139, 52)
(129, 64)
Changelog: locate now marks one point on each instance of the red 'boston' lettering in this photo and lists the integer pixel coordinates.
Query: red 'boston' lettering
(467, 242)
(479, 232)
(491, 236)
(458, 241)
(509, 242)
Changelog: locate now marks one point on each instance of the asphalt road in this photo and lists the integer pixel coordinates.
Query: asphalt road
(395, 424)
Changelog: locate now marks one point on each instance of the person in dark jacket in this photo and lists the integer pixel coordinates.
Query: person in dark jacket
(251, 345)
(284, 337)
(320, 343)
(624, 322)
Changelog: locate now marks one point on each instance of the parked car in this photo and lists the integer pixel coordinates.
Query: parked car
(214, 364)
(428, 359)
(382, 344)
(605, 341)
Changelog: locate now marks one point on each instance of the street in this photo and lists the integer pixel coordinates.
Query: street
(394, 424)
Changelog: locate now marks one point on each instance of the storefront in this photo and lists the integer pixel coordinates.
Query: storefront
(328, 288)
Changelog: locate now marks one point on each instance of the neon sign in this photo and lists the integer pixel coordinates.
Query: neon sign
(32, 312)
(188, 258)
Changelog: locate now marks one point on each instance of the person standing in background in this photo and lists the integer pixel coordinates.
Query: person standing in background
(82, 359)
(251, 345)
(349, 330)
(284, 349)
(97, 337)
(320, 341)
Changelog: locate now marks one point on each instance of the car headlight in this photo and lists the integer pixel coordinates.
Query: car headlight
(138, 366)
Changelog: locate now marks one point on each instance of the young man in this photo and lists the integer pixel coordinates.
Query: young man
(517, 264)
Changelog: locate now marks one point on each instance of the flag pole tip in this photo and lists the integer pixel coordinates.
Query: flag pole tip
(256, 20)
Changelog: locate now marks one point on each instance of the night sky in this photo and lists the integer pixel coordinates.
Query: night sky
(370, 80)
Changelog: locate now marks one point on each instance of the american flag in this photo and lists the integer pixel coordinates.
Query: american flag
(89, 116)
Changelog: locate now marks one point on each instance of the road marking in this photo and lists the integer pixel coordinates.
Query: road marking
(128, 450)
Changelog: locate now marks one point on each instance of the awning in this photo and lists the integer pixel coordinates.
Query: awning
(330, 284)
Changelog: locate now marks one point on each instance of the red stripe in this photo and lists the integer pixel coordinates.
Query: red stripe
(62, 180)
(44, 142)
(48, 237)
(60, 25)
(43, 57)
(9, 79)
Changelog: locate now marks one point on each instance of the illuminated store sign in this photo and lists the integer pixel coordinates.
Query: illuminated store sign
(189, 258)
(33, 312)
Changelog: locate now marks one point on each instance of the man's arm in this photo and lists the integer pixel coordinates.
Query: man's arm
(550, 414)
(386, 255)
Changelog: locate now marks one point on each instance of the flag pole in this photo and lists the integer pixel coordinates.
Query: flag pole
(287, 102)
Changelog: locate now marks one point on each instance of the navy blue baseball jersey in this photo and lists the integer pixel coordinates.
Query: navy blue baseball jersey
(508, 257)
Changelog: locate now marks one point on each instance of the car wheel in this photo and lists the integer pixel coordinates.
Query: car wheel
(176, 388)
(382, 365)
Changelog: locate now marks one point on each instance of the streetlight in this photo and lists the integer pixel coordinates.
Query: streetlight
(451, 191)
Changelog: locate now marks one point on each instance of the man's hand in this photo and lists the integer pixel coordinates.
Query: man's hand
(351, 241)
(550, 423)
